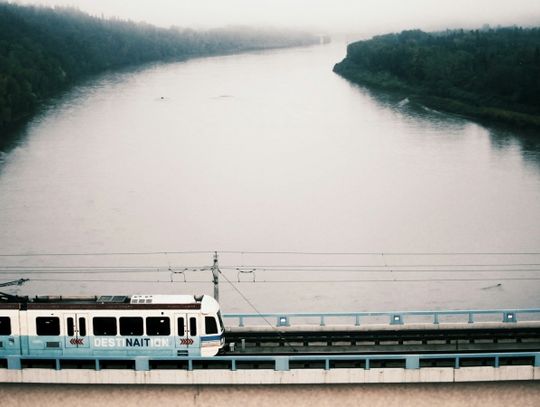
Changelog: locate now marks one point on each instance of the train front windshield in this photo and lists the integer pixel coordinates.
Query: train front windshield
(221, 321)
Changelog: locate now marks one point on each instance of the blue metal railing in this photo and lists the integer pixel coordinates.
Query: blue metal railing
(393, 317)
(283, 363)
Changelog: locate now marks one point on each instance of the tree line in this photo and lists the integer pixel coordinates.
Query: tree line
(489, 73)
(45, 50)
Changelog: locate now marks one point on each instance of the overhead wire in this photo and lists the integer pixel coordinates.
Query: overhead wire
(257, 311)
(393, 280)
(53, 280)
(392, 270)
(294, 281)
(382, 253)
(272, 267)
(178, 271)
(102, 253)
(379, 265)
(397, 270)
(97, 270)
(137, 253)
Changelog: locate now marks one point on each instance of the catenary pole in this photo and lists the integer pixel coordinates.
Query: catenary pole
(215, 275)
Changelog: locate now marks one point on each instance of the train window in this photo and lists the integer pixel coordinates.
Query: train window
(158, 326)
(5, 326)
(131, 326)
(82, 326)
(210, 325)
(104, 326)
(48, 326)
(192, 326)
(70, 327)
(181, 327)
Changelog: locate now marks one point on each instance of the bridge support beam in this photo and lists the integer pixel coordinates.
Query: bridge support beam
(412, 362)
(14, 362)
(282, 364)
(142, 363)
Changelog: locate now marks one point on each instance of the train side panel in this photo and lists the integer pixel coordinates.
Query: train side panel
(43, 333)
(10, 338)
(120, 333)
(152, 326)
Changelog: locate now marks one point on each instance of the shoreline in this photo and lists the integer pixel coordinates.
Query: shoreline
(10, 132)
(512, 119)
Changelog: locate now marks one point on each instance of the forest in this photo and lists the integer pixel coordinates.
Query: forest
(489, 74)
(44, 50)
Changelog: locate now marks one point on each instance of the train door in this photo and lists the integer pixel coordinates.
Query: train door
(10, 342)
(187, 341)
(76, 333)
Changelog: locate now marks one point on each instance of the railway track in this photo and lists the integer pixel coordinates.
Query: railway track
(384, 341)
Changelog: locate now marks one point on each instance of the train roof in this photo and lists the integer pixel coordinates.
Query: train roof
(204, 303)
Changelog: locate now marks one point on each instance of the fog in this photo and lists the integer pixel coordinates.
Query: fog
(332, 16)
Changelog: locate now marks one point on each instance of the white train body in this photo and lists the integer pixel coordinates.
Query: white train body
(141, 325)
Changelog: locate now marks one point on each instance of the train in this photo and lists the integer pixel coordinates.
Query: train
(127, 326)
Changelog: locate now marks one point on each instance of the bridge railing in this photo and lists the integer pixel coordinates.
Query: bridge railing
(278, 363)
(391, 317)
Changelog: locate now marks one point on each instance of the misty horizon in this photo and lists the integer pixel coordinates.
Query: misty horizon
(341, 18)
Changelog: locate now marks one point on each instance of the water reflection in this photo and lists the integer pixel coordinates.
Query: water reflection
(268, 151)
(526, 140)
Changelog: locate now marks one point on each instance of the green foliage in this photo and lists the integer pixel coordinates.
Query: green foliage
(492, 74)
(44, 50)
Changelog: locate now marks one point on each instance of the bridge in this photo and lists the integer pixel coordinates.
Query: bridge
(295, 348)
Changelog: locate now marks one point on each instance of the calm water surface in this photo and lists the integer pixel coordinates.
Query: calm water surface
(270, 151)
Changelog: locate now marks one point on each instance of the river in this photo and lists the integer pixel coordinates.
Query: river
(270, 151)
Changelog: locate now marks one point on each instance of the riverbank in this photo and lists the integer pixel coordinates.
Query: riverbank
(418, 95)
(45, 51)
(490, 76)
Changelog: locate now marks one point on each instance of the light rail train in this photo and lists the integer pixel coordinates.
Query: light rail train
(137, 325)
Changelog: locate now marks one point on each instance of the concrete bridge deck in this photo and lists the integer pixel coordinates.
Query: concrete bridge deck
(433, 368)
(443, 351)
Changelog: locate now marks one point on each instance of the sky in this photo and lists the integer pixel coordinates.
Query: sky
(331, 16)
